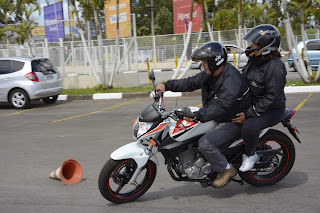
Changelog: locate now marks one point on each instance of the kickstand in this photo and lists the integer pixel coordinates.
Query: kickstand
(241, 182)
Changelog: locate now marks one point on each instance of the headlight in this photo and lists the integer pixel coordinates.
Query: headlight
(140, 128)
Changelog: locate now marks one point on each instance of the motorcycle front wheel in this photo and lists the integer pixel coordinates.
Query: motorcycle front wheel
(271, 168)
(114, 180)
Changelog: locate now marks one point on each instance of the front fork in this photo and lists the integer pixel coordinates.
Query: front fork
(132, 181)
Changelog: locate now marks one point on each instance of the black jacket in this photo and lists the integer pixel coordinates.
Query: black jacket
(266, 79)
(222, 97)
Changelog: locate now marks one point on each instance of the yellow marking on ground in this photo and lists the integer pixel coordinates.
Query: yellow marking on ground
(90, 113)
(303, 102)
(21, 111)
(297, 108)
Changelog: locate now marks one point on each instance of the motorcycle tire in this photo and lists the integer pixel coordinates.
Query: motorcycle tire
(280, 165)
(115, 175)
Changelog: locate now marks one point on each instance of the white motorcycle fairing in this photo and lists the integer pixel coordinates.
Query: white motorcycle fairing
(135, 151)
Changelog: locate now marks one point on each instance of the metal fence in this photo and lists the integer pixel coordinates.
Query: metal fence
(70, 58)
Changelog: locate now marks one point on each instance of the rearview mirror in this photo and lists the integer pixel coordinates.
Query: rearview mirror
(151, 76)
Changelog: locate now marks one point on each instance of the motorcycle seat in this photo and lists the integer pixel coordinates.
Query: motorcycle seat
(287, 114)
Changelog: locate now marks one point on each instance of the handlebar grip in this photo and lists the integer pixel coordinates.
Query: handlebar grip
(160, 93)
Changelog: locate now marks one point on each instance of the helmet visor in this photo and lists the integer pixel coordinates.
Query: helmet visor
(199, 55)
(252, 36)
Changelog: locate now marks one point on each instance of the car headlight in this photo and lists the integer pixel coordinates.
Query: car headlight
(140, 128)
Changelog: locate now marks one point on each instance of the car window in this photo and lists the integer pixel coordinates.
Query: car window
(4, 67)
(313, 45)
(43, 65)
(232, 49)
(16, 66)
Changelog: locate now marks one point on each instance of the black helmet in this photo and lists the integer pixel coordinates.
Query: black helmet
(266, 36)
(214, 52)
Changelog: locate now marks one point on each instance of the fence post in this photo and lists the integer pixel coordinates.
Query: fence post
(148, 68)
(46, 47)
(61, 54)
(176, 61)
(135, 41)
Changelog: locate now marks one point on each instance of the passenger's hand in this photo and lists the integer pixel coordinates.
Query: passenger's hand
(240, 119)
(161, 87)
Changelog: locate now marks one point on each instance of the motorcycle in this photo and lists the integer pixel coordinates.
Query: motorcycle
(132, 168)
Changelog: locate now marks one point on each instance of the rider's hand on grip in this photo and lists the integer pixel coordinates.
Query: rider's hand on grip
(161, 87)
(179, 115)
(160, 93)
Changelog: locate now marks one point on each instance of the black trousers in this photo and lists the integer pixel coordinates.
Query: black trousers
(251, 128)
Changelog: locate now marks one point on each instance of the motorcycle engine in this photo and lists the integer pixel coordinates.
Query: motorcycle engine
(193, 164)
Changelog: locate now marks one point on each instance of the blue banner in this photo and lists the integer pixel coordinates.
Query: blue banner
(53, 22)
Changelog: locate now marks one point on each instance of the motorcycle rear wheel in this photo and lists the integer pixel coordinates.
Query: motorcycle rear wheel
(280, 165)
(115, 175)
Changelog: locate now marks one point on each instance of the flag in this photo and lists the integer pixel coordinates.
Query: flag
(186, 22)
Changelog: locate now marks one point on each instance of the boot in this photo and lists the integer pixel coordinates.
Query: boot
(223, 178)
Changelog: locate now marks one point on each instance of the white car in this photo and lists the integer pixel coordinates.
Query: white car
(231, 49)
(23, 79)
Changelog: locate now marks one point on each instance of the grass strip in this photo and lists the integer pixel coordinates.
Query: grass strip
(101, 89)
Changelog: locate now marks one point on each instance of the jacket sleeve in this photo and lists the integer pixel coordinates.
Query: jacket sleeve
(275, 80)
(229, 92)
(186, 84)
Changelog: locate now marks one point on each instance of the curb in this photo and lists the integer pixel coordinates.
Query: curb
(169, 94)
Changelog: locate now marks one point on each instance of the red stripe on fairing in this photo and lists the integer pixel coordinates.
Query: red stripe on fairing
(135, 193)
(157, 128)
(283, 168)
(179, 127)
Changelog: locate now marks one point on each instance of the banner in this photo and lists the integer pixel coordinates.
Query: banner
(124, 18)
(182, 14)
(38, 31)
(53, 22)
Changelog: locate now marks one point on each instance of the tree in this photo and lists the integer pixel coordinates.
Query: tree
(164, 21)
(99, 5)
(143, 13)
(25, 8)
(6, 9)
(85, 48)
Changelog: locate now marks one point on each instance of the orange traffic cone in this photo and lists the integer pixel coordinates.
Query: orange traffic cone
(69, 173)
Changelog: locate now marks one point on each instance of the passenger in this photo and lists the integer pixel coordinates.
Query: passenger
(266, 76)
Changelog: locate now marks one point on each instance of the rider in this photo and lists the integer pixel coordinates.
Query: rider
(266, 77)
(224, 94)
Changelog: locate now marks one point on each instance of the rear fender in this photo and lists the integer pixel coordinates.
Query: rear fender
(292, 129)
(135, 151)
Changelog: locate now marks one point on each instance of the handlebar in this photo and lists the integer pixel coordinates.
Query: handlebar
(186, 112)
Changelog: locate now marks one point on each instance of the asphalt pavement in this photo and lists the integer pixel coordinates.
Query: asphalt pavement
(35, 142)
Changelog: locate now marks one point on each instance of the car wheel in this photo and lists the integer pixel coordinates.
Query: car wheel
(50, 100)
(19, 99)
